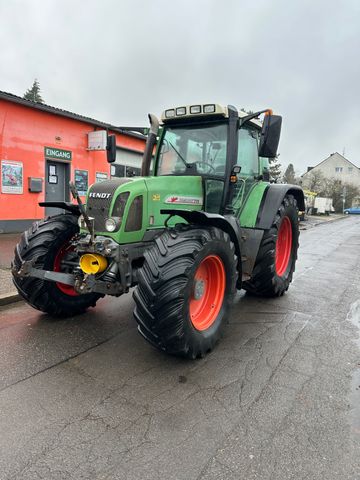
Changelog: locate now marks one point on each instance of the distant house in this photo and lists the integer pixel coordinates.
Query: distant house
(335, 166)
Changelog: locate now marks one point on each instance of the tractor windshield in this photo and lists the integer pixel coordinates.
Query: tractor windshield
(203, 147)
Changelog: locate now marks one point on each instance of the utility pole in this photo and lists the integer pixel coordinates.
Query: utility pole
(344, 197)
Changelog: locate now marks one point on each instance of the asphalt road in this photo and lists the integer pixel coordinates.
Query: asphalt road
(279, 398)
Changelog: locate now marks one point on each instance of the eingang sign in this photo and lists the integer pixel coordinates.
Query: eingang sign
(57, 153)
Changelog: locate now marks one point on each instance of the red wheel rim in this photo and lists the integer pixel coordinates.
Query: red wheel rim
(67, 289)
(283, 246)
(208, 292)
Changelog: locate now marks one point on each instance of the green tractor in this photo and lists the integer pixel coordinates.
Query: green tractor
(202, 221)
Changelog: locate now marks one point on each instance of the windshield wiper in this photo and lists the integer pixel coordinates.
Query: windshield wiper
(187, 165)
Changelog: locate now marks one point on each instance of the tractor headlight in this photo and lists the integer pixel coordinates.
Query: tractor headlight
(81, 221)
(82, 224)
(111, 224)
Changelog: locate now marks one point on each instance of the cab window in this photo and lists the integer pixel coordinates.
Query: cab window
(203, 147)
(248, 157)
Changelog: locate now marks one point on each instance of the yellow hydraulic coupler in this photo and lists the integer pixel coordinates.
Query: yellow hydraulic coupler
(92, 263)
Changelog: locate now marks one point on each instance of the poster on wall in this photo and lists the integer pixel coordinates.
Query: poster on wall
(100, 176)
(81, 181)
(11, 176)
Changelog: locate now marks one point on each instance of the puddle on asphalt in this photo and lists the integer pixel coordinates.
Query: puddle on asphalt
(354, 317)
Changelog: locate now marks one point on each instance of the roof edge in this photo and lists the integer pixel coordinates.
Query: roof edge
(65, 113)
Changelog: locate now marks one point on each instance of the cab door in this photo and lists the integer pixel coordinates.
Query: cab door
(248, 160)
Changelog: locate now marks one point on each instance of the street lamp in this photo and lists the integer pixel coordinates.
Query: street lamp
(344, 198)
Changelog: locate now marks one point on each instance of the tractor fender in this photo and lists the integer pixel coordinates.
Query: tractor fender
(70, 207)
(272, 199)
(228, 224)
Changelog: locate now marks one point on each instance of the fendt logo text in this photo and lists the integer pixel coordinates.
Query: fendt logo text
(99, 195)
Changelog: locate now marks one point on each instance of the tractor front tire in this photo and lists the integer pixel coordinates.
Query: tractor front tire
(185, 290)
(48, 243)
(275, 262)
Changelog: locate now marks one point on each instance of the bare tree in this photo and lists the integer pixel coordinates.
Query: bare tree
(314, 181)
(339, 191)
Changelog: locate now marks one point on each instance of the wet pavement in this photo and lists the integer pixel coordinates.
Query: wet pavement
(7, 245)
(316, 220)
(88, 398)
(6, 284)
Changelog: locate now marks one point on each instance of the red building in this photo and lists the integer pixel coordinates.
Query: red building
(42, 148)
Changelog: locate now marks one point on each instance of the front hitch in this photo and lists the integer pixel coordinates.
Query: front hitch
(27, 270)
(86, 284)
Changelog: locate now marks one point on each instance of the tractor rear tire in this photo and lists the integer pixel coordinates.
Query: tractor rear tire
(275, 262)
(48, 241)
(185, 290)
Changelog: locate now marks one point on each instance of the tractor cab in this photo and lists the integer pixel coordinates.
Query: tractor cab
(221, 145)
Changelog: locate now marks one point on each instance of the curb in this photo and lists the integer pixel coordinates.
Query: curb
(7, 298)
(307, 226)
(331, 221)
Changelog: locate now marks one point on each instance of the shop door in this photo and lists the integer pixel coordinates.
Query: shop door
(56, 185)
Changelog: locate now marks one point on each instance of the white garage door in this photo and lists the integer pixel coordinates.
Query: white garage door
(127, 164)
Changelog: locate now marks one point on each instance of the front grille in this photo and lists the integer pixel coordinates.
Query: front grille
(98, 208)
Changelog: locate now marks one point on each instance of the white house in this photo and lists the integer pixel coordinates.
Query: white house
(338, 167)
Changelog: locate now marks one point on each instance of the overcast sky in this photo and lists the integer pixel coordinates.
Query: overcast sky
(118, 60)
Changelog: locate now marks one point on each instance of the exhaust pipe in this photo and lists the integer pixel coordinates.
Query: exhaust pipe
(150, 143)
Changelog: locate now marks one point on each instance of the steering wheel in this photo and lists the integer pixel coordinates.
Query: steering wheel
(207, 164)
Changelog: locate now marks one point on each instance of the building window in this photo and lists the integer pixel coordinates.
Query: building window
(338, 169)
(350, 169)
(127, 164)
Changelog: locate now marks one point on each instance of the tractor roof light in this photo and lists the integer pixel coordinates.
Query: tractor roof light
(209, 108)
(181, 111)
(170, 113)
(186, 111)
(195, 109)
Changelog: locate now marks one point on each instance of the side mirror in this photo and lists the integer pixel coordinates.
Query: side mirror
(111, 148)
(270, 136)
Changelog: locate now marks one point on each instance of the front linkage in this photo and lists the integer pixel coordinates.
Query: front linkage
(103, 266)
(92, 275)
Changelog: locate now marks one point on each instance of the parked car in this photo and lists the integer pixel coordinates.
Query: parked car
(352, 210)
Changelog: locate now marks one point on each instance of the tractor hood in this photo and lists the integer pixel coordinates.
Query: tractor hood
(135, 203)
